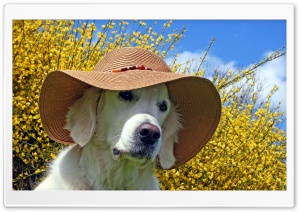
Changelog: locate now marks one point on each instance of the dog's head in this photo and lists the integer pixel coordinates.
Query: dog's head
(138, 125)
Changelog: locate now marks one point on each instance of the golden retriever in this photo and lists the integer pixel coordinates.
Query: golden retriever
(120, 136)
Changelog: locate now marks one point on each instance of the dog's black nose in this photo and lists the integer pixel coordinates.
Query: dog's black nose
(149, 133)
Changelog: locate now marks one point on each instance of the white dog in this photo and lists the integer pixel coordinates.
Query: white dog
(120, 137)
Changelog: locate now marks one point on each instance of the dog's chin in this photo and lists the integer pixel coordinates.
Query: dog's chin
(141, 156)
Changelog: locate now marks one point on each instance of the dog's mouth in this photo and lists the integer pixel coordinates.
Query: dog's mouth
(138, 152)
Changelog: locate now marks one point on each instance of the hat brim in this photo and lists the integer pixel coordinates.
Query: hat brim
(197, 99)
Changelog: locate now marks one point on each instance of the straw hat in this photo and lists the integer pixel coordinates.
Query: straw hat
(197, 99)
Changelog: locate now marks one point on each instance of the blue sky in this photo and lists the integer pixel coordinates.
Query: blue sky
(244, 41)
(239, 44)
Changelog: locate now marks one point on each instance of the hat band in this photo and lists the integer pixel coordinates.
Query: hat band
(139, 67)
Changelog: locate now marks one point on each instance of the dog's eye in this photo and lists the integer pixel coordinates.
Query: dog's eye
(126, 95)
(163, 106)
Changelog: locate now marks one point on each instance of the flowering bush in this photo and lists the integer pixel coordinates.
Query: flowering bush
(248, 150)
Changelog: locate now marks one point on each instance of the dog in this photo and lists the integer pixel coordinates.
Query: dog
(120, 137)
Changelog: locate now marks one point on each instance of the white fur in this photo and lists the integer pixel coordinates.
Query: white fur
(102, 121)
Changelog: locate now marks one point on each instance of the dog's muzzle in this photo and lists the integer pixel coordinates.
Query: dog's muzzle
(139, 139)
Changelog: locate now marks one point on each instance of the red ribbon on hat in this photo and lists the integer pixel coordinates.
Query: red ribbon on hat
(139, 67)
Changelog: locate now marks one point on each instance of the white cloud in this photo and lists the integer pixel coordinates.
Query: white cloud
(274, 73)
(211, 61)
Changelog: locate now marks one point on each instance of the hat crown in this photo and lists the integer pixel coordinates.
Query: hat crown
(131, 56)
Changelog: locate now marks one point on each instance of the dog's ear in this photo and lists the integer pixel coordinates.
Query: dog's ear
(81, 118)
(170, 127)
